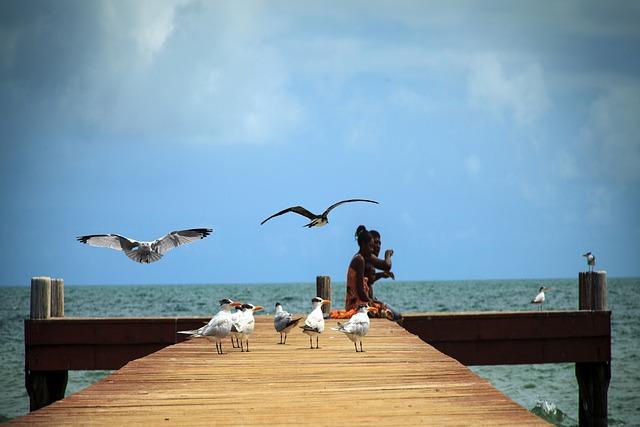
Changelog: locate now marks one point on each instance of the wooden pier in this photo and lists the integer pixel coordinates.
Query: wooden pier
(399, 379)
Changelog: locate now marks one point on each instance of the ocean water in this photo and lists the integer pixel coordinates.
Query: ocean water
(549, 390)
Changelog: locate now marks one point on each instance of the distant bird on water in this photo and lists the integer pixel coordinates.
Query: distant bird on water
(358, 325)
(316, 220)
(146, 252)
(539, 299)
(283, 322)
(591, 260)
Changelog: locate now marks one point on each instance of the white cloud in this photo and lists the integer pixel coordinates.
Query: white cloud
(610, 139)
(520, 93)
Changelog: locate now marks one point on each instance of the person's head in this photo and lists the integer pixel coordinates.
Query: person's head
(365, 239)
(377, 242)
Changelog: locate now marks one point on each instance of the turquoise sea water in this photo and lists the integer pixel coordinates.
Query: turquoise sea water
(549, 390)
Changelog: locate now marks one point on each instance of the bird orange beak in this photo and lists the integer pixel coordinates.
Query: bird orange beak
(236, 304)
(374, 309)
(326, 301)
(258, 307)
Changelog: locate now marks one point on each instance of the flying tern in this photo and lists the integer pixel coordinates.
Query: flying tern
(218, 327)
(316, 220)
(591, 260)
(539, 299)
(146, 252)
(245, 324)
(358, 325)
(284, 322)
(314, 323)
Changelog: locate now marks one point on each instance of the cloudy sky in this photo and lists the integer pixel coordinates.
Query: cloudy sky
(501, 139)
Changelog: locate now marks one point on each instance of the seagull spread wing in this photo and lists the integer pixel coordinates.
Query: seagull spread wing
(347, 201)
(177, 238)
(113, 241)
(297, 209)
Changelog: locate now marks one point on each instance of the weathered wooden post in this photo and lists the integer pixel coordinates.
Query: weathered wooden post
(57, 298)
(45, 387)
(323, 290)
(593, 378)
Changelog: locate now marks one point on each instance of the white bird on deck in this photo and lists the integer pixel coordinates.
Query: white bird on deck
(316, 220)
(235, 318)
(314, 323)
(146, 252)
(284, 322)
(358, 326)
(245, 324)
(591, 260)
(218, 327)
(539, 299)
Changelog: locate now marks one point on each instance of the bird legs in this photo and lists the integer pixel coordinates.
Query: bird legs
(311, 342)
(356, 346)
(285, 338)
(219, 347)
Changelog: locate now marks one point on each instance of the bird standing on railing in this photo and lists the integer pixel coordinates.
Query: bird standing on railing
(539, 299)
(218, 327)
(283, 322)
(358, 325)
(591, 260)
(314, 323)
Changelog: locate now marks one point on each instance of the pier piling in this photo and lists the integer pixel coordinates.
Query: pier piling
(47, 300)
(593, 378)
(323, 290)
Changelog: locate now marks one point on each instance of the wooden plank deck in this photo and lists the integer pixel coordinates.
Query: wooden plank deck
(399, 379)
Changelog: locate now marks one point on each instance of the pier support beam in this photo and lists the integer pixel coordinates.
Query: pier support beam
(593, 378)
(47, 300)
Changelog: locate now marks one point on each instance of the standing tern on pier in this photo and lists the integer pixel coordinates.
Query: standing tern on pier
(539, 299)
(314, 323)
(284, 322)
(591, 260)
(146, 252)
(218, 327)
(245, 324)
(358, 325)
(236, 317)
(316, 220)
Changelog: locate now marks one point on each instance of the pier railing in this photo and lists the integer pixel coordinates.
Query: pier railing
(55, 345)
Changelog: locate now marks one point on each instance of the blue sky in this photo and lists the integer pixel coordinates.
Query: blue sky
(501, 139)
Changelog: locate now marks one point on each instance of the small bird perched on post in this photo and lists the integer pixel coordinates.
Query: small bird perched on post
(591, 260)
(539, 299)
(283, 322)
(314, 323)
(358, 325)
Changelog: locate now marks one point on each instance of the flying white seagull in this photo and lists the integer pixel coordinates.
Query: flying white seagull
(314, 323)
(284, 322)
(245, 324)
(358, 325)
(539, 299)
(591, 260)
(146, 252)
(218, 327)
(316, 220)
